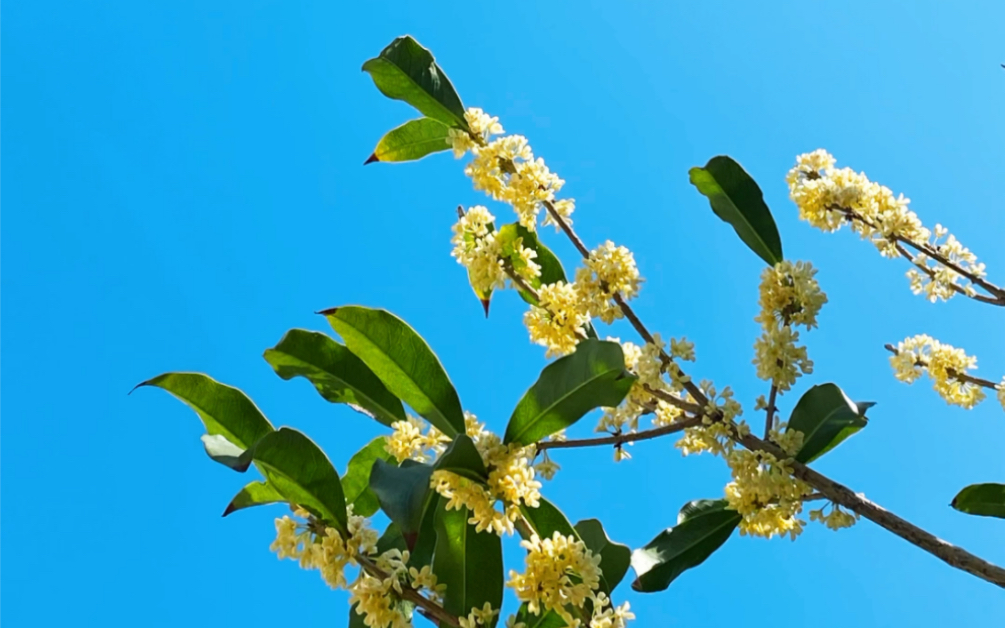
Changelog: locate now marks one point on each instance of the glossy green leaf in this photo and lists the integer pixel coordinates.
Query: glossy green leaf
(549, 619)
(254, 494)
(413, 140)
(299, 471)
(736, 199)
(356, 620)
(356, 481)
(337, 374)
(986, 500)
(462, 458)
(403, 493)
(407, 71)
(403, 362)
(702, 527)
(514, 236)
(470, 563)
(391, 539)
(424, 543)
(593, 376)
(224, 410)
(615, 558)
(226, 453)
(826, 417)
(546, 520)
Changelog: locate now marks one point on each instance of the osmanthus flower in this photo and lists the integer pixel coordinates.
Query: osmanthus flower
(605, 615)
(945, 364)
(609, 269)
(1001, 393)
(778, 359)
(479, 616)
(714, 435)
(557, 322)
(374, 599)
(477, 247)
(836, 519)
(409, 442)
(324, 549)
(828, 197)
(560, 572)
(482, 125)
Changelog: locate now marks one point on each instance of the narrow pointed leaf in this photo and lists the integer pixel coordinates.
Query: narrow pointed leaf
(337, 374)
(406, 71)
(413, 140)
(593, 376)
(403, 362)
(986, 500)
(514, 236)
(615, 558)
(462, 458)
(468, 562)
(226, 412)
(702, 527)
(299, 471)
(403, 493)
(826, 417)
(254, 494)
(356, 481)
(736, 199)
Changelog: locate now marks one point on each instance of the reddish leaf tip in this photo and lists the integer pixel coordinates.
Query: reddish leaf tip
(372, 158)
(485, 306)
(327, 312)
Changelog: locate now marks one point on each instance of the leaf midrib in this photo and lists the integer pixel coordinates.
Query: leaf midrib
(421, 88)
(692, 545)
(285, 476)
(518, 436)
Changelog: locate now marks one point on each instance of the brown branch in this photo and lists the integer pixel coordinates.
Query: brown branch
(839, 494)
(673, 400)
(430, 608)
(620, 439)
(963, 377)
(769, 421)
(931, 274)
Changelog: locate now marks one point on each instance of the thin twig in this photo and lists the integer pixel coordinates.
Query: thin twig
(673, 400)
(430, 608)
(931, 274)
(963, 377)
(769, 421)
(620, 439)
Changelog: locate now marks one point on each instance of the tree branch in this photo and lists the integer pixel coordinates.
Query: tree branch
(620, 439)
(431, 609)
(963, 377)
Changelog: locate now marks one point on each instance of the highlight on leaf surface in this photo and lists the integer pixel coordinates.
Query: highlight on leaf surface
(826, 417)
(406, 71)
(254, 494)
(470, 563)
(736, 198)
(985, 500)
(551, 266)
(413, 140)
(356, 481)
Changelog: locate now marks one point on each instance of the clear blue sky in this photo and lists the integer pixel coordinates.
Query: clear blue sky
(183, 183)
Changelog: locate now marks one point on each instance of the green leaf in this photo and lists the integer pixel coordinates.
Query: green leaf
(462, 458)
(424, 543)
(254, 494)
(702, 527)
(546, 520)
(825, 416)
(391, 539)
(986, 500)
(593, 376)
(470, 563)
(736, 199)
(337, 374)
(615, 558)
(355, 619)
(224, 410)
(549, 619)
(226, 453)
(403, 362)
(403, 493)
(356, 481)
(299, 471)
(407, 71)
(515, 235)
(413, 140)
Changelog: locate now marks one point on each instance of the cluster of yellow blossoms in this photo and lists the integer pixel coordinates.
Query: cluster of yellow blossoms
(561, 575)
(945, 364)
(828, 197)
(478, 248)
(323, 548)
(409, 442)
(789, 297)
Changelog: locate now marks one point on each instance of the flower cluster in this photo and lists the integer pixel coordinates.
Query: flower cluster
(828, 197)
(835, 519)
(478, 247)
(479, 617)
(945, 364)
(789, 297)
(560, 572)
(408, 442)
(482, 126)
(714, 435)
(557, 322)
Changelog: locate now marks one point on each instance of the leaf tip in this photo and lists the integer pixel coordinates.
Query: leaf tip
(372, 158)
(485, 306)
(329, 312)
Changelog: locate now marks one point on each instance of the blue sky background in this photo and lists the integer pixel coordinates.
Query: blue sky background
(183, 182)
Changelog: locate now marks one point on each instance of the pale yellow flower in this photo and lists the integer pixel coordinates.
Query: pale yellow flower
(560, 571)
(558, 322)
(944, 363)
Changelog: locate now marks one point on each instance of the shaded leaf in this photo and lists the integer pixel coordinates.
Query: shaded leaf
(424, 543)
(826, 417)
(462, 458)
(470, 563)
(736, 199)
(254, 494)
(226, 453)
(356, 481)
(546, 520)
(514, 236)
(413, 140)
(615, 558)
(986, 500)
(391, 539)
(403, 493)
(337, 374)
(593, 376)
(702, 527)
(403, 362)
(406, 71)
(299, 471)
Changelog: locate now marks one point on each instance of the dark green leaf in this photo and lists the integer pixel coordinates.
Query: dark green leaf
(356, 481)
(337, 374)
(226, 453)
(299, 471)
(550, 619)
(702, 527)
(424, 543)
(615, 558)
(225, 411)
(593, 376)
(403, 493)
(403, 362)
(407, 71)
(468, 562)
(986, 500)
(413, 140)
(515, 235)
(355, 619)
(391, 539)
(825, 416)
(736, 199)
(462, 458)
(254, 494)
(546, 520)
